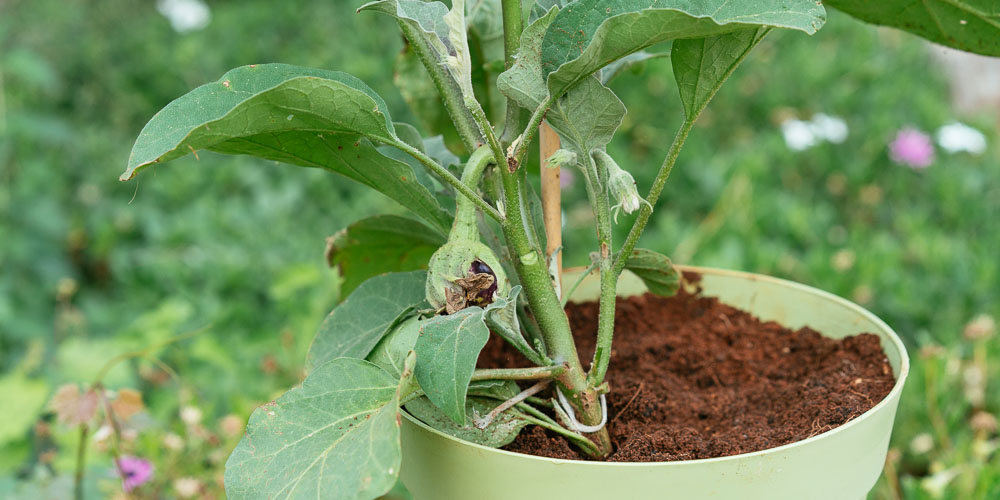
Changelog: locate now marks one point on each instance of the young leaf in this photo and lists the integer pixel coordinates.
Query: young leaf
(655, 270)
(501, 431)
(501, 318)
(589, 34)
(702, 65)
(358, 323)
(524, 82)
(380, 244)
(391, 352)
(302, 116)
(336, 436)
(969, 25)
(448, 347)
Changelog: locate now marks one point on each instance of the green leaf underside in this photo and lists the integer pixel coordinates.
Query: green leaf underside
(655, 270)
(336, 436)
(501, 431)
(970, 25)
(613, 70)
(302, 116)
(702, 65)
(358, 323)
(590, 34)
(390, 353)
(381, 244)
(448, 347)
(501, 390)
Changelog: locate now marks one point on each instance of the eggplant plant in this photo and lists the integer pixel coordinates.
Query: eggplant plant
(426, 293)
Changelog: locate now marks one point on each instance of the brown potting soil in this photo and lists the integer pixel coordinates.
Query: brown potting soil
(693, 378)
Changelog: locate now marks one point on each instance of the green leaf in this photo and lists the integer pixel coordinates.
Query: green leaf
(426, 17)
(702, 65)
(437, 149)
(524, 82)
(497, 389)
(655, 270)
(381, 244)
(391, 352)
(448, 347)
(302, 116)
(501, 317)
(501, 431)
(420, 94)
(969, 25)
(336, 436)
(358, 323)
(633, 60)
(590, 34)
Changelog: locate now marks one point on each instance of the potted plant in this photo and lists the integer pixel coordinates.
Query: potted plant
(410, 338)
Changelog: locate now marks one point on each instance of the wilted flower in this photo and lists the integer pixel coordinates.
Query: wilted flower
(184, 15)
(912, 148)
(981, 327)
(958, 137)
(136, 471)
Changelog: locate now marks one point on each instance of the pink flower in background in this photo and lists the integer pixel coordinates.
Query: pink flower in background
(566, 177)
(136, 471)
(912, 148)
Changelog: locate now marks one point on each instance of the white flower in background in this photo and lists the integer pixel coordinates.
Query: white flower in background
(922, 444)
(961, 138)
(829, 128)
(187, 487)
(801, 135)
(798, 134)
(191, 415)
(184, 15)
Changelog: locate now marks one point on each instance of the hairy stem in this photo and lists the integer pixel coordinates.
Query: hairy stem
(513, 22)
(654, 194)
(447, 176)
(598, 191)
(451, 93)
(534, 373)
(529, 131)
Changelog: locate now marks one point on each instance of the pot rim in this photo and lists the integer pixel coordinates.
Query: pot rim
(904, 369)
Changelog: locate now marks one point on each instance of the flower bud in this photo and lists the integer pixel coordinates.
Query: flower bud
(464, 273)
(561, 158)
(621, 185)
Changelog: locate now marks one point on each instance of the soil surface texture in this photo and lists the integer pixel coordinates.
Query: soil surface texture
(693, 378)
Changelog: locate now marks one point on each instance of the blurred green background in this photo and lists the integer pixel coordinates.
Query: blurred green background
(229, 250)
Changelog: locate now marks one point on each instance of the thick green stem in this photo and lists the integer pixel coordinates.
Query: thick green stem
(529, 131)
(535, 373)
(654, 194)
(447, 176)
(466, 226)
(451, 93)
(513, 21)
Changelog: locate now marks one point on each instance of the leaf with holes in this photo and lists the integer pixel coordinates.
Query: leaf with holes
(358, 323)
(590, 34)
(970, 25)
(448, 347)
(336, 436)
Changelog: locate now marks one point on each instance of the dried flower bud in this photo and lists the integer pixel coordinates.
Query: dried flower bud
(464, 273)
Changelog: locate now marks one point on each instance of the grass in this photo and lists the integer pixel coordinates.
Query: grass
(232, 247)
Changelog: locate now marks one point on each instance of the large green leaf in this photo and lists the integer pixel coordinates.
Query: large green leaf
(391, 352)
(702, 65)
(448, 347)
(381, 244)
(590, 34)
(358, 323)
(655, 270)
(336, 436)
(501, 431)
(524, 81)
(302, 116)
(970, 25)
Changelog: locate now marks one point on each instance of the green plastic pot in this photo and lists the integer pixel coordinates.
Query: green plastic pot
(840, 464)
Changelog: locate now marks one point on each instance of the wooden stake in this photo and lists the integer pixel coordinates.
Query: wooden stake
(551, 195)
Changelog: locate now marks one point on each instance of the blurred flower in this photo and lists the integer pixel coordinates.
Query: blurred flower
(863, 294)
(566, 177)
(136, 471)
(190, 415)
(959, 137)
(231, 425)
(187, 487)
(981, 327)
(912, 148)
(922, 443)
(184, 15)
(173, 442)
(936, 483)
(800, 135)
(931, 351)
(843, 259)
(983, 422)
(829, 128)
(102, 433)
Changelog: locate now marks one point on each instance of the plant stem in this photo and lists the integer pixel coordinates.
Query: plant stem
(513, 22)
(81, 462)
(451, 93)
(529, 131)
(598, 190)
(533, 373)
(117, 435)
(588, 446)
(466, 227)
(447, 176)
(654, 194)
